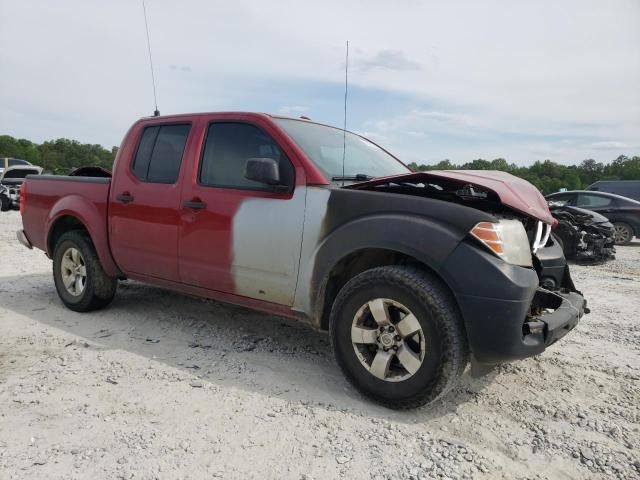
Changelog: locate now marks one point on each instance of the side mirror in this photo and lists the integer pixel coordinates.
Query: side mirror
(264, 170)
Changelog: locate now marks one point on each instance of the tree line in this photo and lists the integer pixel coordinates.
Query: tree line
(550, 176)
(63, 155)
(57, 156)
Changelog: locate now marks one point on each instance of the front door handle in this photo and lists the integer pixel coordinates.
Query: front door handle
(195, 204)
(125, 197)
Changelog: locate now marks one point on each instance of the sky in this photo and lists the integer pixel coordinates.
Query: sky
(428, 80)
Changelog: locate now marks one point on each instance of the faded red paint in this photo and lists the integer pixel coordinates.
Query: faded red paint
(194, 246)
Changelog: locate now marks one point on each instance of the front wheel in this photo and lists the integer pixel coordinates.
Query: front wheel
(623, 233)
(398, 336)
(80, 280)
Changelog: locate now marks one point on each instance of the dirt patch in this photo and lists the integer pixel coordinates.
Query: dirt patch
(162, 385)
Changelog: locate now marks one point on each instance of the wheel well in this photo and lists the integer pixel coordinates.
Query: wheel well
(61, 226)
(356, 263)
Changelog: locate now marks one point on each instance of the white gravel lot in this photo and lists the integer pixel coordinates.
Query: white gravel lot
(161, 385)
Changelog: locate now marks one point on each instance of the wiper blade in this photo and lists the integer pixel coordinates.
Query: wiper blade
(358, 177)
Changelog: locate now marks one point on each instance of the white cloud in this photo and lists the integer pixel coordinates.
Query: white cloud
(567, 69)
(612, 145)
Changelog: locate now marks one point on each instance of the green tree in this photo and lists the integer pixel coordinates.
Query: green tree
(57, 156)
(549, 176)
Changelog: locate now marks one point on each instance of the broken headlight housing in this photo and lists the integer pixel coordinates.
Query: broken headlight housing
(506, 239)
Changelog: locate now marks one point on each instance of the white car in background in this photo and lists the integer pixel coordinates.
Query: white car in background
(11, 162)
(12, 176)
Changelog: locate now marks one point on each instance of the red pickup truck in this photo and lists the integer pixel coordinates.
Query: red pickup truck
(412, 274)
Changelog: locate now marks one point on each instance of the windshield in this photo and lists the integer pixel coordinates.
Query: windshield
(324, 146)
(14, 162)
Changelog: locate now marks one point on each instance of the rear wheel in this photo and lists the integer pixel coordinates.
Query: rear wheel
(398, 336)
(623, 234)
(80, 280)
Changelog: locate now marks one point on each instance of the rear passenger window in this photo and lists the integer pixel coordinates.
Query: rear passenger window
(228, 147)
(593, 201)
(160, 152)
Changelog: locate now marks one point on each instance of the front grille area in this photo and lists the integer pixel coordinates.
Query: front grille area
(541, 237)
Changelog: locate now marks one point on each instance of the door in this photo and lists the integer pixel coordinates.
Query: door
(239, 236)
(145, 201)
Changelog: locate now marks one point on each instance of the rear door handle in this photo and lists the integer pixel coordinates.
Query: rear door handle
(194, 204)
(125, 197)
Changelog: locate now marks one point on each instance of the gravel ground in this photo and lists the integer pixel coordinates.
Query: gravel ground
(161, 385)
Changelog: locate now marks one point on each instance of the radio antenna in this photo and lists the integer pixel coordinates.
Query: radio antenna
(156, 112)
(346, 91)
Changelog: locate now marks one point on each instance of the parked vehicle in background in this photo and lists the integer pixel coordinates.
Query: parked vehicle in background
(622, 212)
(625, 188)
(90, 171)
(411, 273)
(11, 180)
(583, 234)
(11, 162)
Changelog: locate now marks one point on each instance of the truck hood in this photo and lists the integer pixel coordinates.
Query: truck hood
(514, 192)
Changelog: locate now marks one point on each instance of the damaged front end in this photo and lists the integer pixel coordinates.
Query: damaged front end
(585, 236)
(553, 314)
(557, 306)
(513, 307)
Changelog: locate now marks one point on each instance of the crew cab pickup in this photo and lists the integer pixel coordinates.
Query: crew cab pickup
(413, 274)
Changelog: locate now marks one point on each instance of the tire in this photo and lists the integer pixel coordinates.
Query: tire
(623, 233)
(5, 204)
(97, 289)
(445, 354)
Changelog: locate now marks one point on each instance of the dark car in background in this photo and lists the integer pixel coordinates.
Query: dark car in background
(626, 188)
(623, 212)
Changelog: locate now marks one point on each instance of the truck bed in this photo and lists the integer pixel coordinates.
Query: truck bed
(51, 196)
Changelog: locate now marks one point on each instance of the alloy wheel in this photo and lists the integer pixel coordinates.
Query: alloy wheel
(74, 271)
(622, 235)
(388, 340)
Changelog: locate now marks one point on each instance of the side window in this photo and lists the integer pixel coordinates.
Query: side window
(160, 152)
(593, 201)
(228, 147)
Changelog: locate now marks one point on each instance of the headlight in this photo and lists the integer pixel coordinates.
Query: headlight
(507, 239)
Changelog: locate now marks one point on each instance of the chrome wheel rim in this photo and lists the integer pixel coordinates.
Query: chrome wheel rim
(388, 340)
(622, 234)
(73, 271)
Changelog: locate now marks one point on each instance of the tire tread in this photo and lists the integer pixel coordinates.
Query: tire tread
(100, 288)
(433, 294)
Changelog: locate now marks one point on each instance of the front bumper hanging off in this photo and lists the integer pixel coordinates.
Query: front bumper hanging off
(557, 313)
(507, 314)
